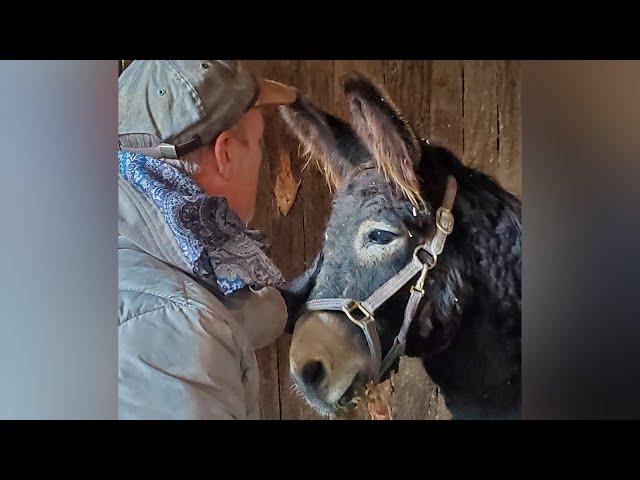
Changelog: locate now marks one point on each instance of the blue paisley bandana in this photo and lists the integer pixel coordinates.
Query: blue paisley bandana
(216, 244)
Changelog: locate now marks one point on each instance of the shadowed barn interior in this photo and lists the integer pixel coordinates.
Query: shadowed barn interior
(470, 107)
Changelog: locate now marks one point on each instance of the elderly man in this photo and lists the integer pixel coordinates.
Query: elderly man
(197, 292)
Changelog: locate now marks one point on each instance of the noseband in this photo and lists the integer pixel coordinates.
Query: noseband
(361, 312)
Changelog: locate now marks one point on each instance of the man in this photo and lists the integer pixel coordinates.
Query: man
(197, 292)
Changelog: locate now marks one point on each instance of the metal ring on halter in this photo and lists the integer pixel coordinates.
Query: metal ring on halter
(434, 259)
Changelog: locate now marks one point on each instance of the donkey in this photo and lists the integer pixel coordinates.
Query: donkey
(389, 185)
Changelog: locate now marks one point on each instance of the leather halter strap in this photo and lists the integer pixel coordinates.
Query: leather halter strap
(361, 312)
(166, 150)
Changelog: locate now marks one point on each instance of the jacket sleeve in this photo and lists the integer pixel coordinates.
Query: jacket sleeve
(262, 314)
(179, 362)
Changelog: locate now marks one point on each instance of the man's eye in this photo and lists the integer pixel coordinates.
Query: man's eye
(382, 237)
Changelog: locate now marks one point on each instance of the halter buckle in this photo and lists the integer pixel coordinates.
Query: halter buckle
(352, 307)
(444, 220)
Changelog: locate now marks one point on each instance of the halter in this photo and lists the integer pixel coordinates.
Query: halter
(361, 312)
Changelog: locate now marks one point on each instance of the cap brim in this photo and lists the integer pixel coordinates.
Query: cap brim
(274, 93)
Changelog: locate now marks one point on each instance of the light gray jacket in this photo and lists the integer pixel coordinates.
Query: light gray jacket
(183, 353)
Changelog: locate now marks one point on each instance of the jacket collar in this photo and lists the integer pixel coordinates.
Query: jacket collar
(163, 212)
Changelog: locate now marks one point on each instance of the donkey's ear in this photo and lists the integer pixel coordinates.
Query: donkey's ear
(296, 292)
(328, 138)
(386, 134)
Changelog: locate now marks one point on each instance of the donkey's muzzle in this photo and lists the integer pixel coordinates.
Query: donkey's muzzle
(328, 359)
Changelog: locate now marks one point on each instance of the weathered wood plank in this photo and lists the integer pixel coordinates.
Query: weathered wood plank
(392, 81)
(268, 356)
(316, 80)
(509, 168)
(480, 115)
(446, 125)
(415, 396)
(416, 95)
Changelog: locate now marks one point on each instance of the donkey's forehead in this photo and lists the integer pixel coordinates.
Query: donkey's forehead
(369, 179)
(368, 192)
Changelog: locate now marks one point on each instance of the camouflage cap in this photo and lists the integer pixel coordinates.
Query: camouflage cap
(168, 108)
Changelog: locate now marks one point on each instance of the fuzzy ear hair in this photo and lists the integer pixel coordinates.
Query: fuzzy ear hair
(325, 137)
(387, 135)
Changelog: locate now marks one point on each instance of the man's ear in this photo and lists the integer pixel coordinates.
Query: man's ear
(330, 139)
(222, 153)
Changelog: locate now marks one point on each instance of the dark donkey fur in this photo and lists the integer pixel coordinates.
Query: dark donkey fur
(467, 330)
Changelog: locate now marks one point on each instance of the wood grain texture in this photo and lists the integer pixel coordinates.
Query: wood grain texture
(415, 101)
(267, 358)
(316, 80)
(509, 168)
(446, 126)
(480, 109)
(415, 396)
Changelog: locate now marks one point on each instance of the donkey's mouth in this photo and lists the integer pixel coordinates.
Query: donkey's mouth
(322, 407)
(347, 402)
(352, 395)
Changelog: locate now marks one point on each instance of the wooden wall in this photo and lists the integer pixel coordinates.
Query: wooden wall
(471, 107)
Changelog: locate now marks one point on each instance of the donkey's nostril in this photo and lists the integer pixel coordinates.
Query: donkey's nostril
(313, 373)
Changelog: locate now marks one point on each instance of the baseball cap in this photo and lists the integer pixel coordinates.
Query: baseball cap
(168, 108)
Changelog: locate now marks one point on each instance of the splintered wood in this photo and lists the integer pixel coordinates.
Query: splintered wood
(408, 394)
(286, 188)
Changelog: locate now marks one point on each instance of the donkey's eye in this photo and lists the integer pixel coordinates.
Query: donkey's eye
(382, 236)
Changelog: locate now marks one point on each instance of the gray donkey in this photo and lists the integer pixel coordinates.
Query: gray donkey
(465, 320)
